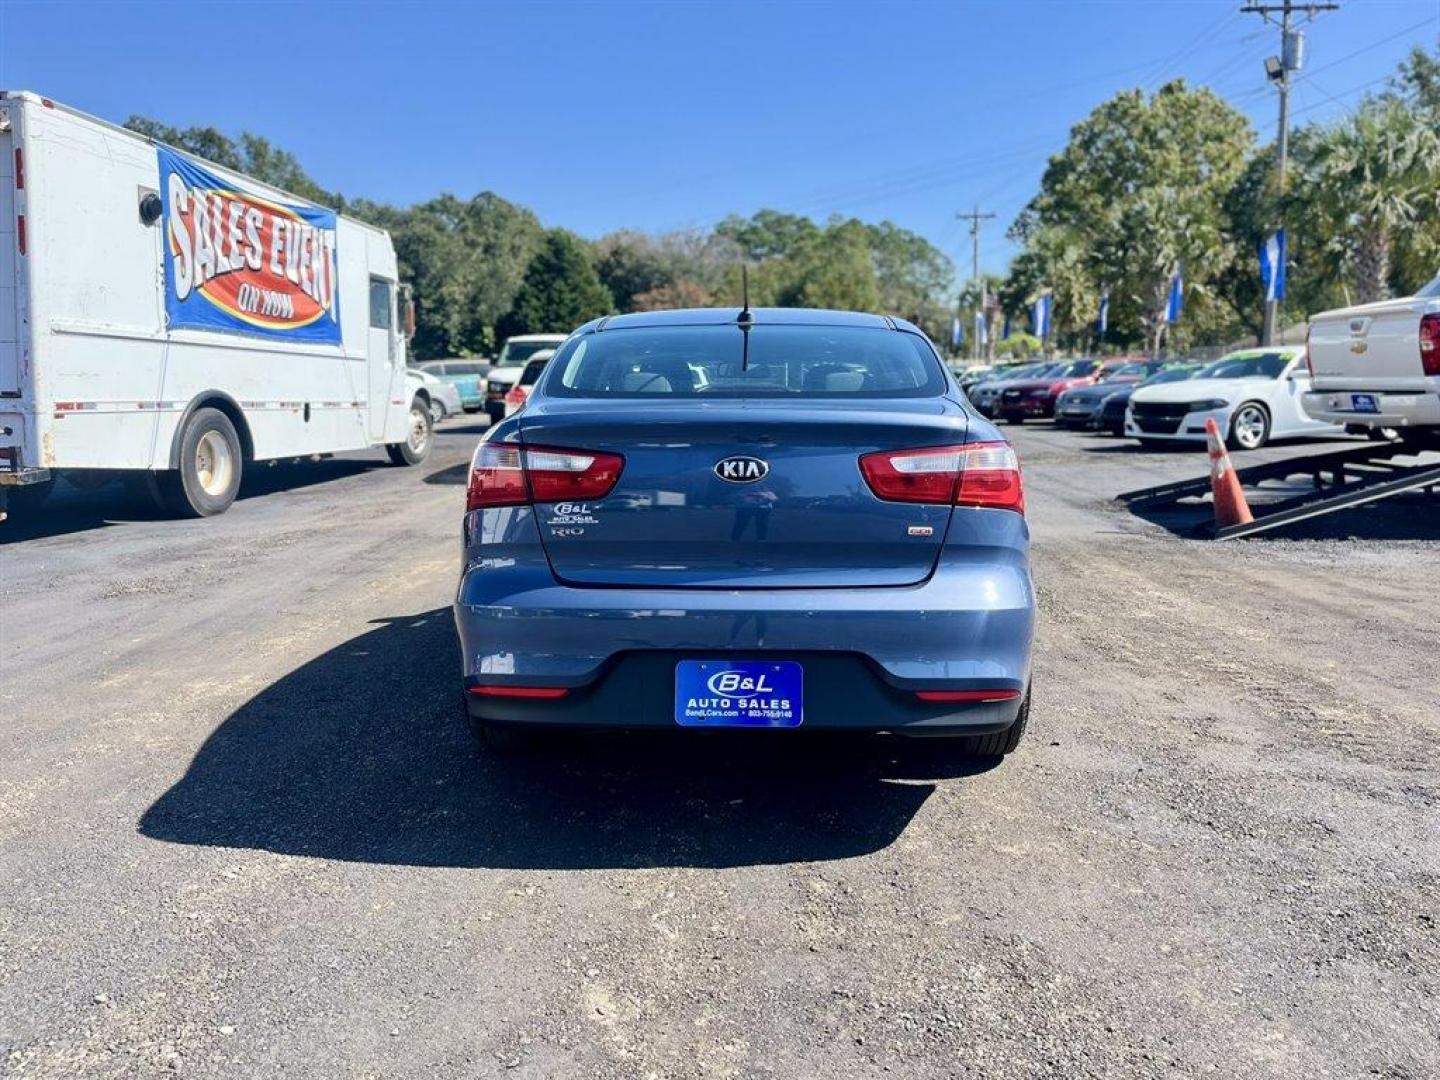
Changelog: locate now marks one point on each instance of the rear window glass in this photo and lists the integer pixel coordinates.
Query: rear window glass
(715, 362)
(1431, 290)
(532, 372)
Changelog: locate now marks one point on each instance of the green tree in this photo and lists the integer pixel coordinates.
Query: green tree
(466, 261)
(561, 289)
(1135, 194)
(1376, 176)
(769, 233)
(252, 155)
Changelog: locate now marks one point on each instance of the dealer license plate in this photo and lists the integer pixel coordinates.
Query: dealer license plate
(738, 693)
(1364, 403)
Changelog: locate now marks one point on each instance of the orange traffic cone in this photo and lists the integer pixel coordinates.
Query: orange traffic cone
(1230, 505)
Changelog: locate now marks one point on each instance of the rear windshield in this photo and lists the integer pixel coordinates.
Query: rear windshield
(516, 353)
(532, 372)
(1075, 370)
(714, 362)
(1170, 375)
(1265, 366)
(1431, 290)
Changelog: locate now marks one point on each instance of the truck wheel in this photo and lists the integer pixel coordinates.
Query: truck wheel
(416, 447)
(1002, 742)
(211, 463)
(437, 410)
(1249, 427)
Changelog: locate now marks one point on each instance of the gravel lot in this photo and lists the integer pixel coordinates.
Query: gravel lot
(243, 833)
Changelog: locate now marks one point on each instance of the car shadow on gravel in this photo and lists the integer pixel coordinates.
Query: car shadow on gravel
(361, 754)
(72, 510)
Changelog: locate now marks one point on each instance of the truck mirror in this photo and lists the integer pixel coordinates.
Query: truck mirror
(409, 318)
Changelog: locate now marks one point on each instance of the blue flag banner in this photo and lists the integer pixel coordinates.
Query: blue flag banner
(1040, 316)
(957, 332)
(1175, 303)
(982, 334)
(237, 260)
(1005, 331)
(1272, 265)
(1102, 322)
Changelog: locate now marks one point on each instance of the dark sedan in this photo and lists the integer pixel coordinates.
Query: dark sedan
(1078, 406)
(1111, 414)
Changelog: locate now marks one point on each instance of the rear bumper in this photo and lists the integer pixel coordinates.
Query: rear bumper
(1397, 408)
(842, 691)
(865, 651)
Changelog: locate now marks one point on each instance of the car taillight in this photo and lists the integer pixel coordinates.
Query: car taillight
(1430, 343)
(516, 396)
(1309, 357)
(983, 474)
(505, 474)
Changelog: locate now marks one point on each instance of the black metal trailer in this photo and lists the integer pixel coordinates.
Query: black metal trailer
(1340, 480)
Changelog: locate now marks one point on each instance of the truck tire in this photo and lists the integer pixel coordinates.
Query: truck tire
(419, 435)
(1002, 742)
(211, 464)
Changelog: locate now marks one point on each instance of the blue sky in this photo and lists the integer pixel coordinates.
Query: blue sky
(663, 116)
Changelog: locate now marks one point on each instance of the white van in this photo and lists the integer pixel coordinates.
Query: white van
(162, 316)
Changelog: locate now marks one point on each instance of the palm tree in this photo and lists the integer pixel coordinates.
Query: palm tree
(1372, 176)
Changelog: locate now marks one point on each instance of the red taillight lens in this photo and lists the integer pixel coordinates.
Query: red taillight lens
(1309, 358)
(497, 477)
(974, 474)
(967, 695)
(503, 474)
(547, 693)
(1430, 343)
(516, 396)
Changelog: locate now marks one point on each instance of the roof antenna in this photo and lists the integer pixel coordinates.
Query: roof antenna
(745, 318)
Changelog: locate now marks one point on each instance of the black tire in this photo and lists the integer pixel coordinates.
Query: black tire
(472, 408)
(421, 436)
(1002, 742)
(1246, 433)
(211, 467)
(1014, 419)
(437, 411)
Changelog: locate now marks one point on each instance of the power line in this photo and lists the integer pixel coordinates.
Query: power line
(1279, 71)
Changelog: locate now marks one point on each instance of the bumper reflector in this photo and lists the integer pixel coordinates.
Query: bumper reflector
(997, 694)
(546, 692)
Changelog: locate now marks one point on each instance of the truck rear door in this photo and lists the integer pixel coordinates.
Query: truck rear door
(1375, 347)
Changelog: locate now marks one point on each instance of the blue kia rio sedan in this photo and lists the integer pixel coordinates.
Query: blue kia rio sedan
(753, 519)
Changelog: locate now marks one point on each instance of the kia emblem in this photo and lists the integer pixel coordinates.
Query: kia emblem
(741, 470)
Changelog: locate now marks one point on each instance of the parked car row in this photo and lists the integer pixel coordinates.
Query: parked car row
(1254, 395)
(470, 384)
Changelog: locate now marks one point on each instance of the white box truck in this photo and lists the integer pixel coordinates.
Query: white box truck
(171, 320)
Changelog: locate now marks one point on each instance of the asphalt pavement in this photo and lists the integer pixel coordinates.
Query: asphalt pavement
(243, 831)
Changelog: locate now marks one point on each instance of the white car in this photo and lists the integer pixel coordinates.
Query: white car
(444, 397)
(1253, 395)
(508, 366)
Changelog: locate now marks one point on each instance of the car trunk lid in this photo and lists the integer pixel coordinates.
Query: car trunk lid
(792, 511)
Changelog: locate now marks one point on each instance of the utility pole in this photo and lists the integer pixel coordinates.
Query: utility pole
(974, 217)
(1278, 70)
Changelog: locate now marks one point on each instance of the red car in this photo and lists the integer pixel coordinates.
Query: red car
(1034, 399)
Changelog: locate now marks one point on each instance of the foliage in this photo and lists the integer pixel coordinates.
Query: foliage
(560, 291)
(1135, 195)
(1374, 179)
(1018, 346)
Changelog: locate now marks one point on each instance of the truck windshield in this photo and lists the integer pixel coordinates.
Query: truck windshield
(714, 362)
(516, 353)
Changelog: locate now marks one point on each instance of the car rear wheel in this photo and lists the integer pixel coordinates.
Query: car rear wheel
(1002, 742)
(1249, 427)
(437, 410)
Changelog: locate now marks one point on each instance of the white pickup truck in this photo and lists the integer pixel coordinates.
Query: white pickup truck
(1378, 366)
